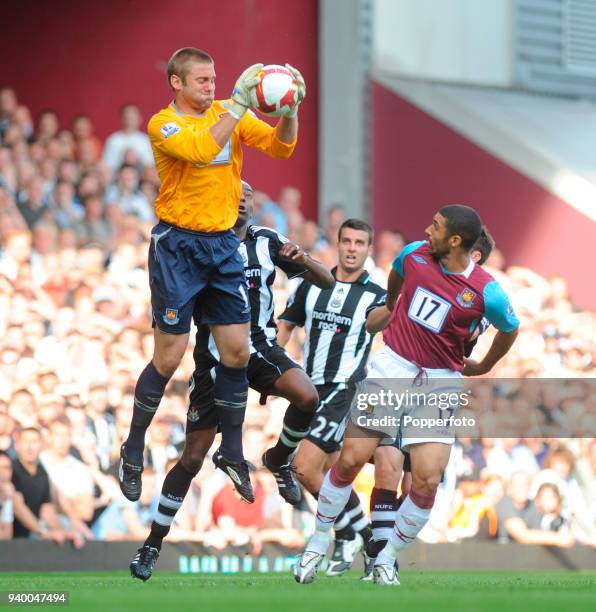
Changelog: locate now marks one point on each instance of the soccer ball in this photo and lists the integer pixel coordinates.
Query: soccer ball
(275, 94)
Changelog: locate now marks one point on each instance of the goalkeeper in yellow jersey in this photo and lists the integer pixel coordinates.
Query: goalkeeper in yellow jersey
(193, 255)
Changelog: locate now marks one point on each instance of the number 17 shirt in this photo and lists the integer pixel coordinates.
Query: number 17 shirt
(438, 310)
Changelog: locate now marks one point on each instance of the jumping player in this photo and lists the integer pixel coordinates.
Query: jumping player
(196, 143)
(270, 371)
(443, 295)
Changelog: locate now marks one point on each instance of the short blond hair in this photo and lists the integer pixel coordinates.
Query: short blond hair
(178, 64)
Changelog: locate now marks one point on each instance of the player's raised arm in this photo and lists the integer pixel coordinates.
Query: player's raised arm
(502, 342)
(280, 141)
(377, 316)
(499, 312)
(394, 285)
(316, 273)
(179, 140)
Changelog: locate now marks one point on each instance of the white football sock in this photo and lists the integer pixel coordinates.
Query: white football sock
(332, 500)
(409, 521)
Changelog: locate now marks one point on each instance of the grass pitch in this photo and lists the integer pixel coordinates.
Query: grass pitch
(440, 591)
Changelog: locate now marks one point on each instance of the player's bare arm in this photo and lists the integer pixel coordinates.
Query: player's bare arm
(284, 331)
(377, 320)
(287, 129)
(394, 285)
(502, 342)
(316, 273)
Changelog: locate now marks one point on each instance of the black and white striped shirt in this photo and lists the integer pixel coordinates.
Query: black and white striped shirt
(337, 344)
(259, 251)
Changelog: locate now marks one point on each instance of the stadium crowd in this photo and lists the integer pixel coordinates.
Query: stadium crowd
(75, 332)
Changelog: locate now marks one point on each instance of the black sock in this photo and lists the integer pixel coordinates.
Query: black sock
(383, 507)
(295, 428)
(174, 490)
(148, 393)
(374, 547)
(230, 391)
(358, 519)
(343, 529)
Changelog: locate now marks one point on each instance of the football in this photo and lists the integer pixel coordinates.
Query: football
(275, 93)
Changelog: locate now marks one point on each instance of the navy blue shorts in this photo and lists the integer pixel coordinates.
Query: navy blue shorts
(264, 368)
(186, 267)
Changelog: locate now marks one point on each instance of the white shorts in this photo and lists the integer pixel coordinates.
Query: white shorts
(405, 404)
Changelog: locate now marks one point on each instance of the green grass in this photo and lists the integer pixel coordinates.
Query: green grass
(437, 591)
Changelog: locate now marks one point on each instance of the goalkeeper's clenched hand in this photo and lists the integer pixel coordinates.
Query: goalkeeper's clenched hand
(300, 91)
(240, 100)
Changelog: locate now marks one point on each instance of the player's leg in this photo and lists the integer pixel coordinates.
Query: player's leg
(406, 481)
(173, 491)
(388, 460)
(201, 427)
(225, 308)
(231, 385)
(429, 460)
(174, 286)
(323, 442)
(352, 527)
(333, 496)
(312, 463)
(275, 373)
(167, 354)
(295, 386)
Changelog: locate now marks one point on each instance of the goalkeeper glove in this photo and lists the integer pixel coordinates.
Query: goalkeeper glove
(238, 104)
(300, 90)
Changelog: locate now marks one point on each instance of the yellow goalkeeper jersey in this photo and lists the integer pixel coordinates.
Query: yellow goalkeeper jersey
(200, 181)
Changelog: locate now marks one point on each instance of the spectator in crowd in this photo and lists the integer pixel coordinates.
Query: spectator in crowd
(8, 107)
(7, 492)
(48, 126)
(129, 137)
(289, 202)
(7, 428)
(336, 215)
(559, 466)
(84, 134)
(160, 449)
(31, 480)
(69, 477)
(269, 214)
(388, 246)
(125, 191)
(528, 522)
(22, 119)
(33, 203)
(101, 421)
(63, 204)
(476, 515)
(93, 229)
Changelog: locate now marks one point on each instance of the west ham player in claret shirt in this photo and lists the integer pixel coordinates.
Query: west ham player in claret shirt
(443, 295)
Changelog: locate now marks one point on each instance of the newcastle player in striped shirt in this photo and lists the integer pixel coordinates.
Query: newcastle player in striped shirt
(270, 371)
(335, 353)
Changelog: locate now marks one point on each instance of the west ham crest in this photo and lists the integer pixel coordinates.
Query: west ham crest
(466, 298)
